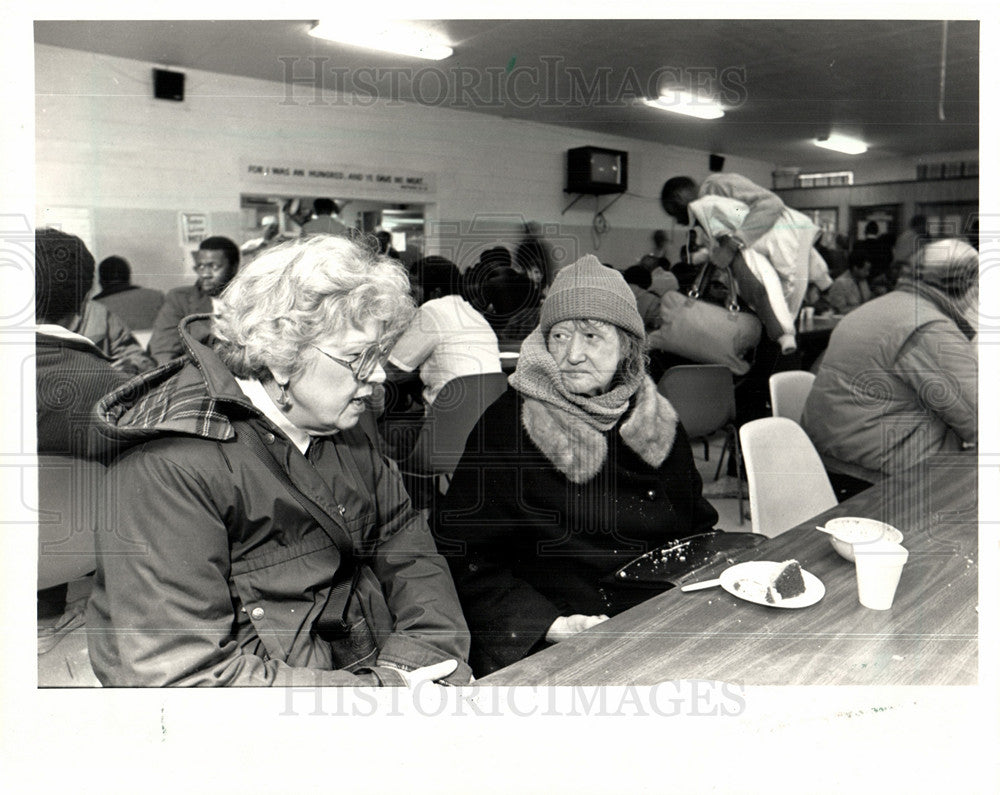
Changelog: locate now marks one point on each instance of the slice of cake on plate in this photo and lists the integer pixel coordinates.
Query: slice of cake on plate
(786, 583)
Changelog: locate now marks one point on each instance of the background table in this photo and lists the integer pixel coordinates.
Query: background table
(929, 636)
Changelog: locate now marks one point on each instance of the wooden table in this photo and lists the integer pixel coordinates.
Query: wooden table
(928, 637)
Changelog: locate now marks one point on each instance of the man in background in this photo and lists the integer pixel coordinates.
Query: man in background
(850, 290)
(215, 262)
(323, 221)
(71, 372)
(136, 306)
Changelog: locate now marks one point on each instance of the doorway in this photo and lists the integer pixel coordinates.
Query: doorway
(405, 222)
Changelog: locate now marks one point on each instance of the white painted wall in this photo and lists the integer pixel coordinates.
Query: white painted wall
(105, 144)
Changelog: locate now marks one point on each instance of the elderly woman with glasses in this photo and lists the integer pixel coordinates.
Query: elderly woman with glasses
(253, 534)
(576, 470)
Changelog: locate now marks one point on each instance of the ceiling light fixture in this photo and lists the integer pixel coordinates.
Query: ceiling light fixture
(842, 143)
(678, 100)
(395, 38)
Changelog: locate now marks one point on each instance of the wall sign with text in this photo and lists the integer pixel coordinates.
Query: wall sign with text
(338, 180)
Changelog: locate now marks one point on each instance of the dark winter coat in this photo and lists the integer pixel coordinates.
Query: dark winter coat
(527, 545)
(211, 573)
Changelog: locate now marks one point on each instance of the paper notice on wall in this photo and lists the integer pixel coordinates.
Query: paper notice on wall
(193, 228)
(73, 221)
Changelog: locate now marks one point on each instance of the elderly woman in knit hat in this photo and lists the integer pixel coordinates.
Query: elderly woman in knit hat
(898, 380)
(578, 468)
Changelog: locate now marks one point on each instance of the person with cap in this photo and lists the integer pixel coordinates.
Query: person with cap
(898, 381)
(71, 372)
(580, 467)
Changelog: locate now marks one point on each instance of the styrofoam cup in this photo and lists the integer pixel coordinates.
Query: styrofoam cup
(878, 566)
(806, 318)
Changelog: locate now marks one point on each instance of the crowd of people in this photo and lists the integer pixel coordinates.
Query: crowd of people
(247, 442)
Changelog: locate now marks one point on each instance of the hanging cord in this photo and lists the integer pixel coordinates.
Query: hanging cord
(599, 226)
(944, 69)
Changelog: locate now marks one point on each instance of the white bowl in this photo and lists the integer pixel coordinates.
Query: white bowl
(850, 530)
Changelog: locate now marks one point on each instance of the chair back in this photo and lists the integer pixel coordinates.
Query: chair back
(785, 475)
(452, 416)
(69, 490)
(702, 395)
(789, 391)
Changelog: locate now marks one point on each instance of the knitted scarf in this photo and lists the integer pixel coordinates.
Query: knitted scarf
(570, 430)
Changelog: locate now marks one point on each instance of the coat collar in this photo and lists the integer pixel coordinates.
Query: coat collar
(194, 395)
(579, 451)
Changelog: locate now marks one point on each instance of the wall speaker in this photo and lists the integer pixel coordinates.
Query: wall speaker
(716, 162)
(168, 85)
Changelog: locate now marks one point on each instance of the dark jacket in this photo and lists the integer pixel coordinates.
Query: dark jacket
(211, 573)
(70, 377)
(110, 334)
(526, 545)
(165, 342)
(136, 306)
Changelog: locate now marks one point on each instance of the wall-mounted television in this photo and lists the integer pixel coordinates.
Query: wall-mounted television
(594, 170)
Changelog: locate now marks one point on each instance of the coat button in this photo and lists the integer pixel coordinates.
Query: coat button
(269, 437)
(257, 613)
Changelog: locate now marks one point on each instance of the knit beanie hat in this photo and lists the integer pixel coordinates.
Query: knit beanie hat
(588, 290)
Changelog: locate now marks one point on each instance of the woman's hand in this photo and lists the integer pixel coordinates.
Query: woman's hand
(429, 673)
(567, 626)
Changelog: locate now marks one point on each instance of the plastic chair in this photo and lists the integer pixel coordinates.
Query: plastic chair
(787, 480)
(68, 494)
(445, 431)
(704, 399)
(789, 391)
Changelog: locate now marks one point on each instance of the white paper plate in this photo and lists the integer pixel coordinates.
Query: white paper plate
(761, 571)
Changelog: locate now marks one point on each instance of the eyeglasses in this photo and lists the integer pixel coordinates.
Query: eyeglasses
(363, 365)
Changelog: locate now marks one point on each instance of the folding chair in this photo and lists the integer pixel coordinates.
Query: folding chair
(703, 396)
(445, 430)
(787, 481)
(789, 391)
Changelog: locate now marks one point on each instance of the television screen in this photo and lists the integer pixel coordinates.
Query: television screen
(591, 169)
(605, 167)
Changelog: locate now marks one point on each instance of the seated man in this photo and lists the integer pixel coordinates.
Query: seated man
(639, 281)
(215, 262)
(447, 337)
(514, 303)
(71, 372)
(136, 306)
(658, 265)
(110, 334)
(851, 289)
(898, 381)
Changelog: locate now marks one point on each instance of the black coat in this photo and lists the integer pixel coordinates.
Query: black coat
(526, 545)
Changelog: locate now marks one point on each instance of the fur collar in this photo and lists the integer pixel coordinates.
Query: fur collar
(579, 451)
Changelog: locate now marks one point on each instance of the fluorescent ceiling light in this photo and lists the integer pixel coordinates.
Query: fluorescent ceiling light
(677, 100)
(393, 37)
(842, 143)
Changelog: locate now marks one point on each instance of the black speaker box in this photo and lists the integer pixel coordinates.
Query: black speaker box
(716, 162)
(168, 85)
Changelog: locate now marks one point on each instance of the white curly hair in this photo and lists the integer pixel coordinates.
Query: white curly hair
(292, 295)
